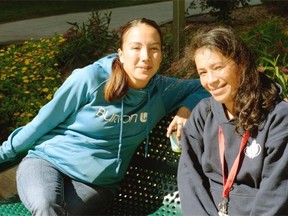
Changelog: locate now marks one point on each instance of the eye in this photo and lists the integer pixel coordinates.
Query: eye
(135, 48)
(218, 67)
(202, 72)
(155, 48)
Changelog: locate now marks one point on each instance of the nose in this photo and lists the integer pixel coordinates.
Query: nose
(144, 55)
(211, 77)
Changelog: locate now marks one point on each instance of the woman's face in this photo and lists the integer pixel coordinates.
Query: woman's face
(140, 54)
(218, 75)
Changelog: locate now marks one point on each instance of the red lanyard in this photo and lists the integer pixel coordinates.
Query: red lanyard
(228, 182)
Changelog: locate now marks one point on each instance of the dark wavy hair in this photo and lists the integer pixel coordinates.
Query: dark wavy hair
(257, 95)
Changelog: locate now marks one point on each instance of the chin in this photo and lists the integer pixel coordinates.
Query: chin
(220, 99)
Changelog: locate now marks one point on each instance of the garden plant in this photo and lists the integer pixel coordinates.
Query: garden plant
(29, 77)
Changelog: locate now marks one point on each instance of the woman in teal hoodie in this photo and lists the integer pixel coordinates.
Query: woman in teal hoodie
(81, 142)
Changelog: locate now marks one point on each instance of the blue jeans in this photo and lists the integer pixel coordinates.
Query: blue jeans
(46, 191)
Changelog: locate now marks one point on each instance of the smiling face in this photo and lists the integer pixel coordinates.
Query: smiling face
(218, 75)
(140, 54)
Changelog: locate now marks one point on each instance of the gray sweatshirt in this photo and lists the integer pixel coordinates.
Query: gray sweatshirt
(261, 184)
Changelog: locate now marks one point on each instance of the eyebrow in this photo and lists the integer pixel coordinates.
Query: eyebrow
(139, 43)
(211, 65)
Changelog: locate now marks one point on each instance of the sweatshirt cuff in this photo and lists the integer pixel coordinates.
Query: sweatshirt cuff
(7, 151)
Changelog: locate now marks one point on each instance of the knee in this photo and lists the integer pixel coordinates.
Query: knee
(43, 207)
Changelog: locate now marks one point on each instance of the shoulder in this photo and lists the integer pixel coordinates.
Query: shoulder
(198, 118)
(93, 72)
(201, 111)
(274, 129)
(96, 72)
(88, 77)
(101, 67)
(280, 112)
(283, 106)
(277, 118)
(203, 107)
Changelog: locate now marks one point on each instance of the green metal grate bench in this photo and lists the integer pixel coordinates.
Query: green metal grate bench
(149, 187)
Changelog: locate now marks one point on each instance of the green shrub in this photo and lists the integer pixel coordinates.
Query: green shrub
(270, 43)
(222, 10)
(87, 42)
(278, 71)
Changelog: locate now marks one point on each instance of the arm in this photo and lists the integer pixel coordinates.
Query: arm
(69, 97)
(184, 94)
(192, 183)
(272, 197)
(177, 93)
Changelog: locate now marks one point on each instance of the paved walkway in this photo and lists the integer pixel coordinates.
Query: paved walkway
(47, 27)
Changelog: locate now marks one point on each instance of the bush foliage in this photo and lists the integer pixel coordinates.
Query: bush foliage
(220, 9)
(88, 41)
(269, 41)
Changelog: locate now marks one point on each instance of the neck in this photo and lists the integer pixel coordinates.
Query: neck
(228, 112)
(229, 115)
(137, 85)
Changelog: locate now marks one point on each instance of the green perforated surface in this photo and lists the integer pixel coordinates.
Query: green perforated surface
(12, 206)
(149, 187)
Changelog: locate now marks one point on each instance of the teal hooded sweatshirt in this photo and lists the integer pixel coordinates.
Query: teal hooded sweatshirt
(92, 140)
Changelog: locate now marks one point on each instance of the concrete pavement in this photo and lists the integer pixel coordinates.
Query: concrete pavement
(47, 27)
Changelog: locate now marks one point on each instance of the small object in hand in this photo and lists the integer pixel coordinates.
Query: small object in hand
(175, 143)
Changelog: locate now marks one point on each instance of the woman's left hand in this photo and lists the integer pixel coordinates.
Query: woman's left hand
(178, 122)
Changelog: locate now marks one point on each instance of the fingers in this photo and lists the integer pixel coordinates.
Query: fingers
(170, 129)
(179, 129)
(175, 126)
(178, 122)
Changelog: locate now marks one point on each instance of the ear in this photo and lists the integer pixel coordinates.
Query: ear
(120, 54)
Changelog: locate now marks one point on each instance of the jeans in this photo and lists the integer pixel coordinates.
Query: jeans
(46, 191)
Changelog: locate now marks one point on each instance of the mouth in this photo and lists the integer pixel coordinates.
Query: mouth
(218, 90)
(144, 67)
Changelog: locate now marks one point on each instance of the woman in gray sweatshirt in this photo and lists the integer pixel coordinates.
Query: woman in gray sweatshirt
(234, 158)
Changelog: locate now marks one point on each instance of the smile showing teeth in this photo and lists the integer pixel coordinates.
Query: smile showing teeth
(217, 90)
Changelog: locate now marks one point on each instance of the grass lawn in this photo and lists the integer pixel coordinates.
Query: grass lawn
(18, 10)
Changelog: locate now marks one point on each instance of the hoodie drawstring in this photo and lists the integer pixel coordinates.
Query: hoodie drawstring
(147, 127)
(121, 129)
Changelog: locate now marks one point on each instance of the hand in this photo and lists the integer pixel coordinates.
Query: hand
(178, 122)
